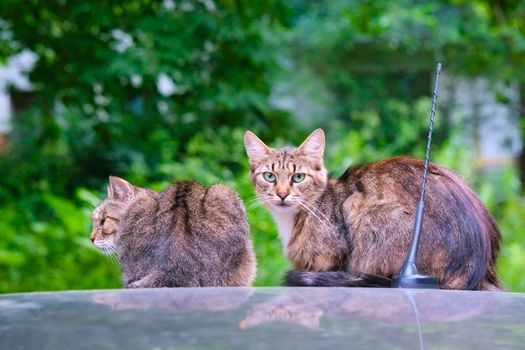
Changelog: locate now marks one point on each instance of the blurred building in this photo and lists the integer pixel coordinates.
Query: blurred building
(5, 115)
(13, 76)
(490, 115)
(487, 113)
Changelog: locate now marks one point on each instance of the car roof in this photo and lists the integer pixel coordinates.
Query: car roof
(262, 318)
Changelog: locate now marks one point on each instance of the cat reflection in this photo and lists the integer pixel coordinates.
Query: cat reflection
(305, 307)
(287, 308)
(183, 299)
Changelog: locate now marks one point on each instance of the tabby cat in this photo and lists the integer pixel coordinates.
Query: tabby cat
(184, 236)
(355, 230)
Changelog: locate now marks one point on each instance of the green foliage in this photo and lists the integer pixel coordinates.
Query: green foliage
(39, 255)
(116, 85)
(508, 207)
(162, 91)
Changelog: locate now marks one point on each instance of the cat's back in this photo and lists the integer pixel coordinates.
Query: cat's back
(393, 186)
(212, 209)
(380, 175)
(400, 179)
(460, 239)
(207, 227)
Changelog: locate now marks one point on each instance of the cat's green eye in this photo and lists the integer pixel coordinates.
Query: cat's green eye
(298, 177)
(268, 176)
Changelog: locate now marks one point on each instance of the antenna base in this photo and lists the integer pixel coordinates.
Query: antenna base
(415, 281)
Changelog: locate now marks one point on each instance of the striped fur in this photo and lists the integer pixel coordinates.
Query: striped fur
(184, 236)
(334, 279)
(360, 224)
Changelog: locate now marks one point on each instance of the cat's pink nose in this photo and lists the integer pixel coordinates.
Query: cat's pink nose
(282, 195)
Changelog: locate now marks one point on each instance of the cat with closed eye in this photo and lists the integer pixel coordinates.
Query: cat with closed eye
(355, 230)
(184, 236)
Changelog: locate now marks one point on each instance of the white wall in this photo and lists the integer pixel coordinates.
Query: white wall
(473, 102)
(5, 113)
(14, 73)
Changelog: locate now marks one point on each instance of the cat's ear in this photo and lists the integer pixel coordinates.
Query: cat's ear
(314, 144)
(255, 148)
(120, 189)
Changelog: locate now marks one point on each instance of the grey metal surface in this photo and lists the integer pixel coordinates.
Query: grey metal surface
(263, 318)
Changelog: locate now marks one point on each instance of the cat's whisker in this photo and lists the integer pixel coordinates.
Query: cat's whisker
(322, 222)
(109, 256)
(253, 205)
(115, 259)
(257, 203)
(315, 203)
(319, 212)
(111, 259)
(111, 253)
(253, 200)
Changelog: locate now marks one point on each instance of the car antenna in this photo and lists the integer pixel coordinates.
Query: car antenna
(409, 276)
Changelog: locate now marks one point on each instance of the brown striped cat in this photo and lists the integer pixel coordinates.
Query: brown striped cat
(184, 236)
(355, 230)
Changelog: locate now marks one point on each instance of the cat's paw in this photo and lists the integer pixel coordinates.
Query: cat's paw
(136, 284)
(144, 282)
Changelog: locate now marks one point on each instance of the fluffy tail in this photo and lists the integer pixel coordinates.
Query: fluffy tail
(334, 279)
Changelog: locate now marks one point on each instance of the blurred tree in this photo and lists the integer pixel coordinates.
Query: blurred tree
(132, 81)
(508, 26)
(376, 58)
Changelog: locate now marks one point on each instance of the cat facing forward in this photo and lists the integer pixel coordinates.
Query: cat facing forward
(355, 230)
(184, 236)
